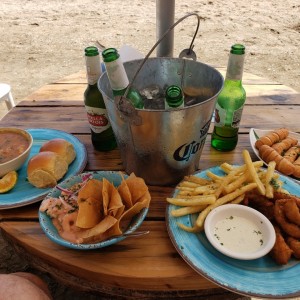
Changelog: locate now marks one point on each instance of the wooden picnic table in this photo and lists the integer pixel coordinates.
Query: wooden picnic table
(146, 267)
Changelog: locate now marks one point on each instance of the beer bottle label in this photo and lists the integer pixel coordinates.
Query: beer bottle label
(237, 116)
(220, 116)
(224, 117)
(235, 67)
(98, 119)
(93, 69)
(117, 75)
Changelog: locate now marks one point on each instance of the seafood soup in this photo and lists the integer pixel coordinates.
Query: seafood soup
(12, 144)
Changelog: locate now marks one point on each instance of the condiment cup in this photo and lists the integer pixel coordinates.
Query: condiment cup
(17, 162)
(239, 231)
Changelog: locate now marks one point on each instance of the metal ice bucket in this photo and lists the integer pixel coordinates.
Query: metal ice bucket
(162, 146)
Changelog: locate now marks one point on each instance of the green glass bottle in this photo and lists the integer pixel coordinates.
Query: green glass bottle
(230, 103)
(102, 135)
(174, 97)
(118, 78)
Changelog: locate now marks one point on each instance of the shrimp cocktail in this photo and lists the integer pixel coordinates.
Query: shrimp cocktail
(94, 210)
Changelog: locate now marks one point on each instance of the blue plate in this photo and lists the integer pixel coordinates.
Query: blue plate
(25, 193)
(258, 278)
(52, 233)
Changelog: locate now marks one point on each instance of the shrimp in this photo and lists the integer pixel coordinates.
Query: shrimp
(69, 221)
(52, 206)
(46, 204)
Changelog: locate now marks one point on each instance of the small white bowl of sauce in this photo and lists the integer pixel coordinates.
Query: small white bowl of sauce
(239, 231)
(15, 146)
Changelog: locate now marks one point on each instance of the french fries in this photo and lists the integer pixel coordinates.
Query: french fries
(268, 178)
(200, 195)
(225, 199)
(193, 200)
(253, 172)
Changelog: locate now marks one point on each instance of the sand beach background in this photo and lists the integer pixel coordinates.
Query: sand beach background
(42, 41)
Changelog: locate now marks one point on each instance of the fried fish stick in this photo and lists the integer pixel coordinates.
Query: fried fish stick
(289, 228)
(291, 211)
(281, 252)
(295, 246)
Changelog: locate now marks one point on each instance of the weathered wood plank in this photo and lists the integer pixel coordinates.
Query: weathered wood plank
(64, 92)
(63, 103)
(256, 94)
(271, 94)
(137, 263)
(111, 161)
(74, 120)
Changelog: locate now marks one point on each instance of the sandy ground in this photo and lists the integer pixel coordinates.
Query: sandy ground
(42, 41)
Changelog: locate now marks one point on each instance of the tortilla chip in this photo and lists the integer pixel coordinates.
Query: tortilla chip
(115, 206)
(93, 188)
(90, 207)
(118, 207)
(97, 233)
(125, 194)
(137, 187)
(105, 195)
(89, 213)
(126, 218)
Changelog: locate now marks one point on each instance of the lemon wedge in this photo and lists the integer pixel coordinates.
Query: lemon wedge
(8, 181)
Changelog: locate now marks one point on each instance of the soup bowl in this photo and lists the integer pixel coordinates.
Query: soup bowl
(15, 146)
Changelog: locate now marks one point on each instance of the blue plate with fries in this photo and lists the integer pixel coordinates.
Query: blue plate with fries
(255, 278)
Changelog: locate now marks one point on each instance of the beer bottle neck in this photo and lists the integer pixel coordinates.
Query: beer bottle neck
(174, 96)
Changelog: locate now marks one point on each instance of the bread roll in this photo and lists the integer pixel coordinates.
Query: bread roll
(62, 147)
(45, 169)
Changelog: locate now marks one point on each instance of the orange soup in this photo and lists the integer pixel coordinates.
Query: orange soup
(12, 144)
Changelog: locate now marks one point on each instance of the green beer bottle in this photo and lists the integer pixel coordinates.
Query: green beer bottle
(230, 103)
(118, 78)
(174, 97)
(103, 138)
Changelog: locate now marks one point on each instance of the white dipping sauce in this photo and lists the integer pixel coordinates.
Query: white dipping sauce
(238, 234)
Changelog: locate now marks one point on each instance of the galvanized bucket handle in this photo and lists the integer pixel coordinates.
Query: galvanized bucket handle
(127, 110)
(189, 51)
